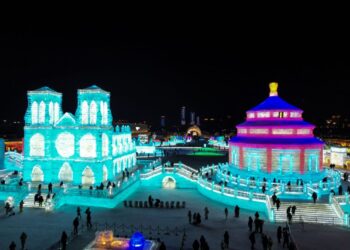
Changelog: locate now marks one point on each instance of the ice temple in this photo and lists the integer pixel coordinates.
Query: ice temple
(82, 149)
(275, 144)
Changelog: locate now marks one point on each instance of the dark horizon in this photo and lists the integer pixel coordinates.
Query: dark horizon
(153, 70)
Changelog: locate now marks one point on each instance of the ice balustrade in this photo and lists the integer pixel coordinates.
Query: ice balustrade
(270, 209)
(178, 168)
(105, 193)
(322, 186)
(342, 199)
(12, 188)
(310, 190)
(151, 173)
(258, 184)
(332, 220)
(336, 206)
(14, 158)
(232, 192)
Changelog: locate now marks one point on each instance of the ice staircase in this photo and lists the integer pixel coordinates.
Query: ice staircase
(309, 212)
(29, 201)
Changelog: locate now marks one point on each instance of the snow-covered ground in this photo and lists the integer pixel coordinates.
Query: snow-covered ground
(45, 228)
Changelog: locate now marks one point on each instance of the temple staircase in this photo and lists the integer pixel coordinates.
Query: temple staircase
(309, 212)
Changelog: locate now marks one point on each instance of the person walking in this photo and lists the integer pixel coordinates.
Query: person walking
(75, 225)
(23, 239)
(278, 203)
(78, 213)
(250, 224)
(236, 211)
(269, 243)
(162, 246)
(274, 198)
(314, 196)
(226, 213)
(21, 206)
(288, 209)
(189, 215)
(64, 238)
(294, 208)
(279, 234)
(289, 217)
(285, 237)
(195, 245)
(50, 188)
(252, 239)
(88, 220)
(226, 239)
(12, 246)
(206, 212)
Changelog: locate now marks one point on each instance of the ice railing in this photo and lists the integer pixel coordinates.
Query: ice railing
(14, 157)
(336, 206)
(331, 220)
(271, 187)
(270, 209)
(176, 168)
(231, 192)
(105, 193)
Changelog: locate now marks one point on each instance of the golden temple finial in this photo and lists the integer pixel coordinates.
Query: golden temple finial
(273, 88)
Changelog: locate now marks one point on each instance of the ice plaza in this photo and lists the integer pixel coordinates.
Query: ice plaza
(81, 160)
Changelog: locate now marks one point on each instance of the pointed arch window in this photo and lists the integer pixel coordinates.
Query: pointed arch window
(34, 113)
(93, 112)
(84, 113)
(57, 112)
(42, 112)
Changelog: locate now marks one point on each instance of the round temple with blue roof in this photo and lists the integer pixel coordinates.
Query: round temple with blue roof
(275, 141)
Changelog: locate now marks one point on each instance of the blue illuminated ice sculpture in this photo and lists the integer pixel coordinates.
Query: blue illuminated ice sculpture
(137, 241)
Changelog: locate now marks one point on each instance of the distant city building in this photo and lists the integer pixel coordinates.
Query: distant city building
(183, 115)
(198, 121)
(2, 153)
(193, 118)
(14, 146)
(162, 121)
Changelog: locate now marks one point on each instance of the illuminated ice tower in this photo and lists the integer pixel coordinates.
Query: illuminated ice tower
(82, 149)
(275, 139)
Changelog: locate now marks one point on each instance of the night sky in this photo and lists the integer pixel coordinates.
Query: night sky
(214, 66)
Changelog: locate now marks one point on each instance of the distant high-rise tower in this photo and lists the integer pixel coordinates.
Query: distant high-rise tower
(162, 121)
(198, 121)
(193, 118)
(183, 115)
(2, 153)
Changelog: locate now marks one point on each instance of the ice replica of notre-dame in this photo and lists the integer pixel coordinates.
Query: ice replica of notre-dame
(83, 148)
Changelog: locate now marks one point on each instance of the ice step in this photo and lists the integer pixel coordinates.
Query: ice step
(29, 201)
(309, 212)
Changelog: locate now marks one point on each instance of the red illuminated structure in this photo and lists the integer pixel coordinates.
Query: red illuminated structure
(275, 139)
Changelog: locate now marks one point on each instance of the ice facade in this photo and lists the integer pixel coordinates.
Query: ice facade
(83, 148)
(275, 139)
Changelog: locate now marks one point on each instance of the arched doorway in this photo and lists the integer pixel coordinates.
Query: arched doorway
(66, 173)
(194, 131)
(37, 174)
(88, 177)
(169, 182)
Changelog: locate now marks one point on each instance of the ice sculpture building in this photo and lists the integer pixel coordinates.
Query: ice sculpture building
(83, 148)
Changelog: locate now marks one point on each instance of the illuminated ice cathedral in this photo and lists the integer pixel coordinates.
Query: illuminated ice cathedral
(82, 149)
